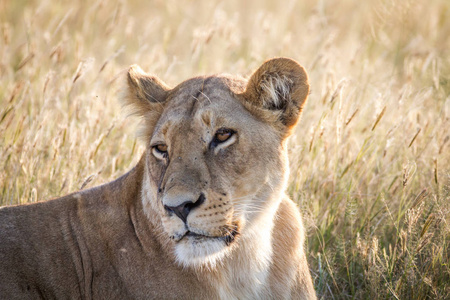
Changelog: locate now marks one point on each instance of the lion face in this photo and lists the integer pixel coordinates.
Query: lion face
(202, 159)
(216, 161)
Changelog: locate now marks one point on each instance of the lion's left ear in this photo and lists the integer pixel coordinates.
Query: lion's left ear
(279, 88)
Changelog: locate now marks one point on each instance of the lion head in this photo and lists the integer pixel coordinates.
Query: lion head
(216, 162)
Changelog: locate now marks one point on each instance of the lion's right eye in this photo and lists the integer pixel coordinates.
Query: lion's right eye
(160, 151)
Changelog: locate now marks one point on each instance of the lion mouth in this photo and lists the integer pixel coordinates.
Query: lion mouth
(228, 239)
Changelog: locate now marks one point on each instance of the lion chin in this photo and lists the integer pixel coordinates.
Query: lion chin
(201, 251)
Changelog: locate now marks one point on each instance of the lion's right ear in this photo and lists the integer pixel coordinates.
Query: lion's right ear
(144, 92)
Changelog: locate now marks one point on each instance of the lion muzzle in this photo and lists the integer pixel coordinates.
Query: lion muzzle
(182, 211)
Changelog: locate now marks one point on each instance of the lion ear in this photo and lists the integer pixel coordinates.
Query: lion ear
(143, 91)
(278, 88)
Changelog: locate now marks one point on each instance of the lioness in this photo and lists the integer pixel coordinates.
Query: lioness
(203, 215)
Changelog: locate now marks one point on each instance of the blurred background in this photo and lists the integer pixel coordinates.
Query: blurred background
(370, 160)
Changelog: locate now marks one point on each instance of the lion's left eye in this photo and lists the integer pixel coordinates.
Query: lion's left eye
(222, 135)
(223, 138)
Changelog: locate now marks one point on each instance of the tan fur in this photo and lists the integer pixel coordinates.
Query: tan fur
(242, 237)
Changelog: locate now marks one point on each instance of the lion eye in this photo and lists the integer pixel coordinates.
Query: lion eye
(161, 148)
(160, 151)
(223, 138)
(223, 135)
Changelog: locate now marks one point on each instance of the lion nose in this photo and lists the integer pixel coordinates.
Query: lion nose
(182, 211)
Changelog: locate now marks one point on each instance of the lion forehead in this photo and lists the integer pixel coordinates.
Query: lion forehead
(205, 101)
(205, 91)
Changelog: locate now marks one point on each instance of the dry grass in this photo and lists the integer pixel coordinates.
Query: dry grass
(370, 159)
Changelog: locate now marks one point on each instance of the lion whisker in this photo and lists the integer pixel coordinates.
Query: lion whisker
(206, 96)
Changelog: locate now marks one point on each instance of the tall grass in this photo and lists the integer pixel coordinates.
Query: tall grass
(369, 161)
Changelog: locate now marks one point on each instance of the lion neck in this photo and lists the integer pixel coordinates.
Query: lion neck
(244, 273)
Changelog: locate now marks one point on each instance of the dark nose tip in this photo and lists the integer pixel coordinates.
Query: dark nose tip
(183, 210)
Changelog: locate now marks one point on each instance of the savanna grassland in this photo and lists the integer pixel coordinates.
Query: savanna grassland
(370, 160)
